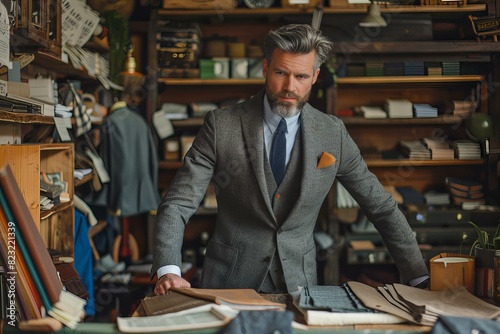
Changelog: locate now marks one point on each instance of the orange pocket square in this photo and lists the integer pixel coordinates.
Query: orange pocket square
(326, 160)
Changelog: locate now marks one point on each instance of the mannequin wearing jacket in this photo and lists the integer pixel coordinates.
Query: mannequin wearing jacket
(263, 236)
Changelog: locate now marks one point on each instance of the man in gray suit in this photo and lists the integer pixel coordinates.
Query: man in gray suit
(270, 190)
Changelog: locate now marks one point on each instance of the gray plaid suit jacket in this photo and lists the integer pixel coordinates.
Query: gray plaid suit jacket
(229, 149)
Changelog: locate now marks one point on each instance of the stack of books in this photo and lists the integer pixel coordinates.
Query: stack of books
(440, 148)
(433, 68)
(394, 68)
(465, 191)
(466, 149)
(410, 195)
(38, 289)
(374, 69)
(451, 67)
(424, 110)
(414, 150)
(433, 197)
(462, 108)
(372, 112)
(414, 68)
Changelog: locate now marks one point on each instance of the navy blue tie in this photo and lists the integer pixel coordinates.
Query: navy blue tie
(278, 152)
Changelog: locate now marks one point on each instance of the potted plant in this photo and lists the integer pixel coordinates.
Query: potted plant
(484, 242)
(483, 249)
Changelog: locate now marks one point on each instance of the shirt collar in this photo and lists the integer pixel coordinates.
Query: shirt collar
(272, 120)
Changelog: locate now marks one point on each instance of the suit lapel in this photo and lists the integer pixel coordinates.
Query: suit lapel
(253, 133)
(311, 140)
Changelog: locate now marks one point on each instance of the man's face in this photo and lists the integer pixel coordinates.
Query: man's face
(289, 78)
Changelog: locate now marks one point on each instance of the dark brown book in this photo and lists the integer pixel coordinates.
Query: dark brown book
(170, 302)
(29, 232)
(238, 299)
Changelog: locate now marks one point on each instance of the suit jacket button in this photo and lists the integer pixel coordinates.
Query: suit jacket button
(267, 259)
(279, 231)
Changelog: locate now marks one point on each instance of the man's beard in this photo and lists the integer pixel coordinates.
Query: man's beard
(286, 109)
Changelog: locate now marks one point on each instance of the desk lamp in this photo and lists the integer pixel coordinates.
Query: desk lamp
(373, 18)
(478, 128)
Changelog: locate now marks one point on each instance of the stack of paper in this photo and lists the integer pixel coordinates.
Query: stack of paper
(399, 108)
(422, 306)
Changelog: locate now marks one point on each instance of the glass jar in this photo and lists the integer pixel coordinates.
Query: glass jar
(496, 292)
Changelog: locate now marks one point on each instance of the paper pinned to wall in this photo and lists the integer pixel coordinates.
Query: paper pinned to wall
(4, 36)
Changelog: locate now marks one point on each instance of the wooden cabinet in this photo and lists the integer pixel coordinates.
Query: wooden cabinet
(28, 161)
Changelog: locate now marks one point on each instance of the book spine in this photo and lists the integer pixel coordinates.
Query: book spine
(29, 233)
(25, 255)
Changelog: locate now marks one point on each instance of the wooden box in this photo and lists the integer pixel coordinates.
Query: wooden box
(300, 3)
(27, 161)
(199, 4)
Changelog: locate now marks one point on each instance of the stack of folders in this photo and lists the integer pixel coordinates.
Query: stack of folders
(39, 290)
(466, 149)
(423, 307)
(424, 110)
(399, 108)
(440, 148)
(415, 150)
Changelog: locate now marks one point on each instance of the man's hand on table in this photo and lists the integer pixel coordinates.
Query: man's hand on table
(168, 281)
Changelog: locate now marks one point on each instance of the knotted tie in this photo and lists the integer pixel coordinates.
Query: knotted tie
(278, 152)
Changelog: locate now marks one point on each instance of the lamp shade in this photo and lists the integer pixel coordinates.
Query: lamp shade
(373, 18)
(479, 128)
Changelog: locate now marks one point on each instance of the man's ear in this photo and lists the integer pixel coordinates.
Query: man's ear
(264, 67)
(315, 76)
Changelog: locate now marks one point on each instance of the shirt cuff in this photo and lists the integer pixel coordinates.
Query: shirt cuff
(170, 269)
(416, 281)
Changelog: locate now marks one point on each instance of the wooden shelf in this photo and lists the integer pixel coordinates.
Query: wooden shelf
(55, 64)
(420, 163)
(418, 47)
(209, 82)
(444, 119)
(56, 209)
(162, 164)
(354, 9)
(87, 178)
(188, 123)
(24, 118)
(408, 79)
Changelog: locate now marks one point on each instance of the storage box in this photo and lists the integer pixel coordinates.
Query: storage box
(449, 270)
(199, 4)
(300, 3)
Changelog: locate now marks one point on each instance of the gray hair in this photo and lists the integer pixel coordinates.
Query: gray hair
(300, 39)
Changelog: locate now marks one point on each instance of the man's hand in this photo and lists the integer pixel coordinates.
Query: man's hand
(168, 281)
